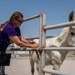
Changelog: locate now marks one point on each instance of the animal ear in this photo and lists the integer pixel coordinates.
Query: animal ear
(71, 17)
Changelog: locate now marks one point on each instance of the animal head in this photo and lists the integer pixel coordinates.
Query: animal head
(71, 37)
(67, 37)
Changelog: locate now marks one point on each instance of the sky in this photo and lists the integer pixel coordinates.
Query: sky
(57, 11)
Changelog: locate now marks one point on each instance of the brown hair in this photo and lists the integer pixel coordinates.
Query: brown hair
(15, 15)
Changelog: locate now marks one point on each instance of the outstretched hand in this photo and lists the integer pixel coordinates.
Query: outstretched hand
(35, 45)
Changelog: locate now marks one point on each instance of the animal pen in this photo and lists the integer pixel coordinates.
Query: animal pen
(42, 42)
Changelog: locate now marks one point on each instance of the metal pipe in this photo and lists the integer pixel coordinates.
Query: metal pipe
(60, 48)
(47, 48)
(55, 72)
(36, 16)
(42, 42)
(61, 25)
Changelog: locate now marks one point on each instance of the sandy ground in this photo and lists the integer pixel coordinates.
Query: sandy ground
(21, 66)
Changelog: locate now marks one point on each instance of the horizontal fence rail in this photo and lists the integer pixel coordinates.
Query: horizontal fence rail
(55, 72)
(38, 37)
(61, 25)
(60, 48)
(52, 49)
(47, 48)
(36, 16)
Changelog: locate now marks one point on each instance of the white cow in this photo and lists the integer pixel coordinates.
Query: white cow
(55, 58)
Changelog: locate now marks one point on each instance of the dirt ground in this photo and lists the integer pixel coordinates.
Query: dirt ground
(21, 66)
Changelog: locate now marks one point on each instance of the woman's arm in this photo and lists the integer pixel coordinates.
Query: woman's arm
(25, 40)
(23, 43)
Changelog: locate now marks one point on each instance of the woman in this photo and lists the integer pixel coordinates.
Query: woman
(10, 32)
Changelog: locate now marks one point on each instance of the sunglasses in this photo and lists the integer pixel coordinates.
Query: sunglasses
(20, 21)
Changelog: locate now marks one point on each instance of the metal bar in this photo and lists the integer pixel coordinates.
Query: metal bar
(60, 48)
(43, 43)
(24, 49)
(55, 72)
(40, 44)
(42, 34)
(47, 48)
(40, 31)
(36, 16)
(38, 37)
(67, 24)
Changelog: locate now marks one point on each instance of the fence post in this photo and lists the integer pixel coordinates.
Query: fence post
(42, 43)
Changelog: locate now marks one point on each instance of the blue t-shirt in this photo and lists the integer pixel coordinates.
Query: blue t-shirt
(8, 31)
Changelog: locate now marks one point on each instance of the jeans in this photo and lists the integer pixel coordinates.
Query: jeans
(2, 70)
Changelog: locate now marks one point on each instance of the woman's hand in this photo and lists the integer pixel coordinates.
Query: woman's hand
(34, 45)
